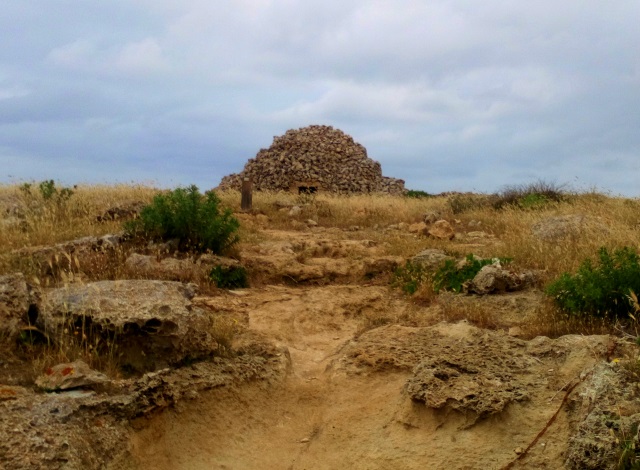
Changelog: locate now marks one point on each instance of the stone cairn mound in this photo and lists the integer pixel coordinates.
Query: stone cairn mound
(314, 158)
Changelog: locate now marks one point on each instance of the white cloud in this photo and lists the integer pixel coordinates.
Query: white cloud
(140, 57)
(79, 53)
(390, 103)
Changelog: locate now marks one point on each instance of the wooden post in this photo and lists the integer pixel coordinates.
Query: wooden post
(247, 188)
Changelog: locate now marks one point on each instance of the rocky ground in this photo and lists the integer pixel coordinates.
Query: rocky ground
(325, 366)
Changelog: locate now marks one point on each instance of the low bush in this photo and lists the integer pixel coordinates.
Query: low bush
(452, 277)
(417, 194)
(603, 289)
(48, 191)
(530, 196)
(48, 200)
(184, 214)
(410, 277)
(229, 277)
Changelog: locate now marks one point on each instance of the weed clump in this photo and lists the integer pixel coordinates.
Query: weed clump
(48, 191)
(531, 196)
(410, 277)
(452, 275)
(604, 289)
(184, 214)
(229, 277)
(417, 194)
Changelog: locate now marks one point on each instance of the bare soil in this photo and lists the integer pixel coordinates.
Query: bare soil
(345, 401)
(332, 368)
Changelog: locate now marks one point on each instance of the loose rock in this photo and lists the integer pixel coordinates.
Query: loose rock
(154, 321)
(70, 375)
(442, 230)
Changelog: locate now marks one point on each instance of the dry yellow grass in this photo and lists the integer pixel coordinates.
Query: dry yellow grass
(513, 227)
(43, 224)
(331, 210)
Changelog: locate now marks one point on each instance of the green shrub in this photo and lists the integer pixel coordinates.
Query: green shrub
(628, 458)
(601, 289)
(48, 191)
(195, 220)
(410, 277)
(530, 196)
(451, 277)
(229, 277)
(417, 194)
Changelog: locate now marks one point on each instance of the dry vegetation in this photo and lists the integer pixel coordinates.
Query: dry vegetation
(27, 221)
(40, 224)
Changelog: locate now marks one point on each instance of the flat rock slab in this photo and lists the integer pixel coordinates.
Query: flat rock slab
(17, 299)
(478, 378)
(86, 430)
(475, 372)
(70, 375)
(154, 321)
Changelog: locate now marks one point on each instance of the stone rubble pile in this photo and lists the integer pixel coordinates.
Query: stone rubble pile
(314, 158)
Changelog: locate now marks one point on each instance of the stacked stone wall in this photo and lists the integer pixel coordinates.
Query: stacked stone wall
(318, 157)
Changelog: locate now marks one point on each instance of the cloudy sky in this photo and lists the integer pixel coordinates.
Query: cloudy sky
(447, 95)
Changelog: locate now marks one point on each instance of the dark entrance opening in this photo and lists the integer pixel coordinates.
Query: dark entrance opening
(307, 189)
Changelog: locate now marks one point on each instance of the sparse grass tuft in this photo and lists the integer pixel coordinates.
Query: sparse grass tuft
(461, 203)
(410, 277)
(477, 314)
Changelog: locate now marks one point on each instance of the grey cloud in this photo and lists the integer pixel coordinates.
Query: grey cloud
(447, 95)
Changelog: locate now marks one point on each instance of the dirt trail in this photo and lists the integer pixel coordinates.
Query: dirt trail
(344, 402)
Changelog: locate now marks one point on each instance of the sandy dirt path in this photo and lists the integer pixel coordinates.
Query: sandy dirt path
(328, 415)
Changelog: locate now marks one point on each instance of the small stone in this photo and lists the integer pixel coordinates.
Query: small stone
(419, 228)
(442, 230)
(70, 375)
(430, 217)
(305, 440)
(515, 331)
(431, 258)
(295, 211)
(519, 450)
(478, 234)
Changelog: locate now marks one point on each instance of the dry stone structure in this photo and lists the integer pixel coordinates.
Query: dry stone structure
(314, 158)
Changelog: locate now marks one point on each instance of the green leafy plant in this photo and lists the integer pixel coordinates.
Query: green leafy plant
(603, 289)
(229, 277)
(410, 277)
(452, 277)
(48, 191)
(184, 214)
(628, 458)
